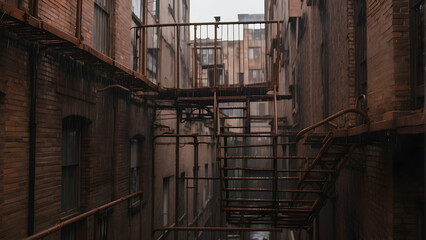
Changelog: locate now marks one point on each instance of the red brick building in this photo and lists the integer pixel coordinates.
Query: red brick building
(333, 52)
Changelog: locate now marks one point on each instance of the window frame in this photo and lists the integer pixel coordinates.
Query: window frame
(252, 53)
(102, 45)
(417, 51)
(135, 164)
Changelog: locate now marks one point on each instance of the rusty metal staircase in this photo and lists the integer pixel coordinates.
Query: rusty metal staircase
(264, 183)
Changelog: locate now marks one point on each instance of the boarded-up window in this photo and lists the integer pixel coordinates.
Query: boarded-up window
(102, 28)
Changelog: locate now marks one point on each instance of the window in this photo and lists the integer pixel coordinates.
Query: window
(262, 109)
(152, 62)
(255, 75)
(70, 163)
(101, 29)
(152, 54)
(241, 78)
(257, 34)
(156, 10)
(102, 225)
(211, 76)
(69, 232)
(254, 53)
(135, 53)
(137, 8)
(135, 163)
(207, 56)
(417, 34)
(72, 128)
(206, 191)
(165, 201)
(184, 11)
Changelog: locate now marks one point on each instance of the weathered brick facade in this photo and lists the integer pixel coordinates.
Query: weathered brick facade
(379, 193)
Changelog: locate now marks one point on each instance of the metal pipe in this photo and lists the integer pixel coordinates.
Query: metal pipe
(33, 138)
(195, 138)
(65, 223)
(219, 229)
(78, 19)
(34, 8)
(334, 116)
(265, 157)
(195, 58)
(112, 86)
(177, 160)
(271, 190)
(266, 200)
(307, 210)
(215, 56)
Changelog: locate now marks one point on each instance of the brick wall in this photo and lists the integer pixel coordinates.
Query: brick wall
(409, 186)
(364, 195)
(15, 137)
(64, 88)
(380, 57)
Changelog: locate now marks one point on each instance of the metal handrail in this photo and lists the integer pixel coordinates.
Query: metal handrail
(77, 218)
(331, 117)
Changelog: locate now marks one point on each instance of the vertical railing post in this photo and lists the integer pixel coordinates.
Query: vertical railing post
(215, 55)
(176, 233)
(278, 57)
(143, 42)
(178, 57)
(275, 154)
(78, 19)
(195, 84)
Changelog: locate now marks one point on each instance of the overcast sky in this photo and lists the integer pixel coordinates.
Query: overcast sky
(205, 10)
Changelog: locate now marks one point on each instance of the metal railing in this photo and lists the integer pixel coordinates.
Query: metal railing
(211, 55)
(77, 218)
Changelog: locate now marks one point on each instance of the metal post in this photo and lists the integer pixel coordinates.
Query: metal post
(195, 58)
(176, 235)
(248, 125)
(178, 57)
(215, 55)
(78, 19)
(143, 38)
(276, 82)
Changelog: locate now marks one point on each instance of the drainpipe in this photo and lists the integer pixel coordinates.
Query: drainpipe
(114, 171)
(32, 127)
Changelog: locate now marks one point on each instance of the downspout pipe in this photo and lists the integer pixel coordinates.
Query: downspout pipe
(32, 127)
(177, 136)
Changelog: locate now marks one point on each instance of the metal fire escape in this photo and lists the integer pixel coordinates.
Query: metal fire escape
(261, 180)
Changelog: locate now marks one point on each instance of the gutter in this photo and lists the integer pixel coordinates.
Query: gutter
(32, 127)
